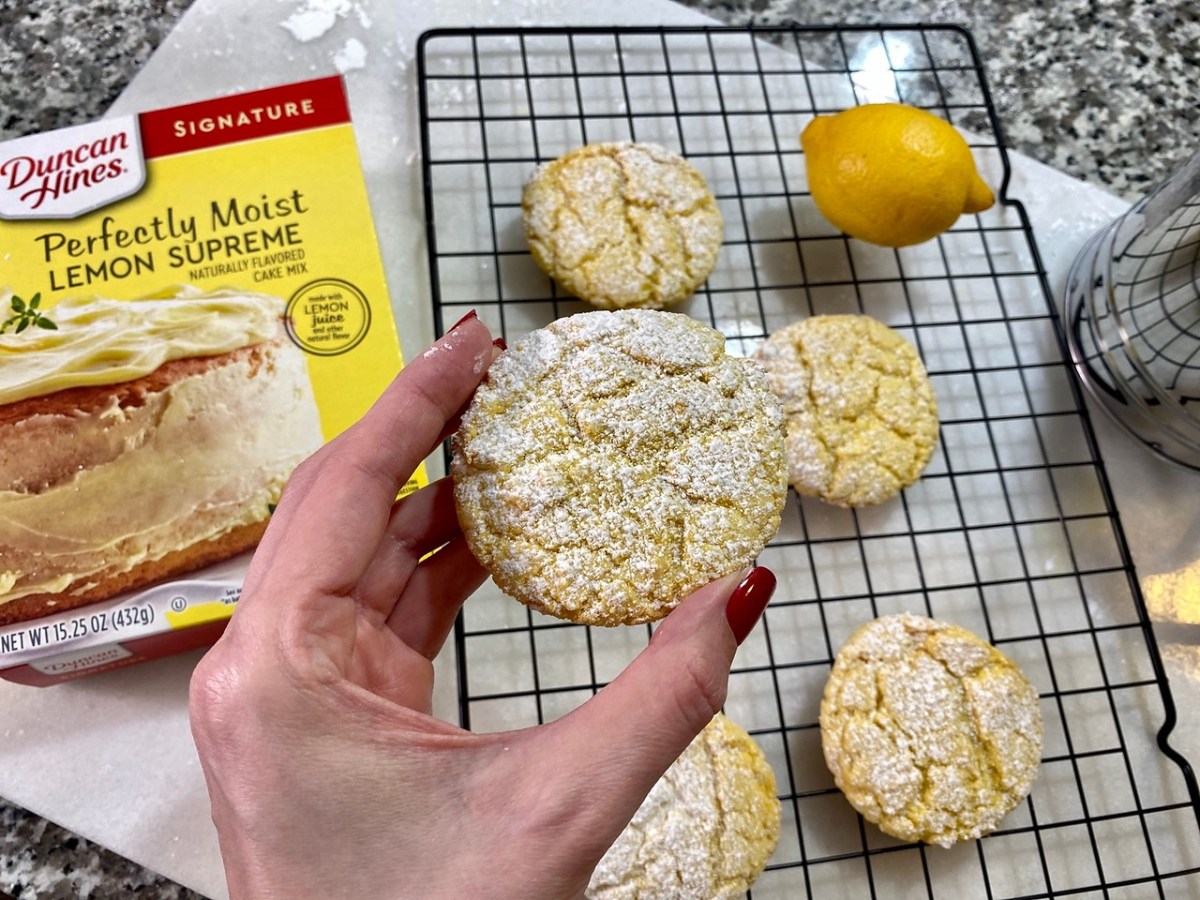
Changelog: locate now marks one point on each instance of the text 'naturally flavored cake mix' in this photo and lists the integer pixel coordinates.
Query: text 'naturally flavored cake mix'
(191, 302)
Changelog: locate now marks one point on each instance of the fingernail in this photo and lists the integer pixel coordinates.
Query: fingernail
(499, 342)
(748, 600)
(471, 315)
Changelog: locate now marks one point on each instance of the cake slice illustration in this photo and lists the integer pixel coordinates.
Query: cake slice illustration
(142, 439)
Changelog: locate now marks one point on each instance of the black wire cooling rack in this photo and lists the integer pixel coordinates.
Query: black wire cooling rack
(1012, 530)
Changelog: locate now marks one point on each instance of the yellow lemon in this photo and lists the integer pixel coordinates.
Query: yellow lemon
(891, 174)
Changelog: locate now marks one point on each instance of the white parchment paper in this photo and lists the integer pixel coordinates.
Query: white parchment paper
(111, 757)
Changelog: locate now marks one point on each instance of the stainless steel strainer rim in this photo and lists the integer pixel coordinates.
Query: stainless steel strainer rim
(1127, 330)
(1166, 427)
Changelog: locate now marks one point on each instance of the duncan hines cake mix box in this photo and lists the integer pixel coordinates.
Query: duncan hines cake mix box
(191, 302)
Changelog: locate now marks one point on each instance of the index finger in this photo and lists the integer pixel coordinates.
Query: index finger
(337, 503)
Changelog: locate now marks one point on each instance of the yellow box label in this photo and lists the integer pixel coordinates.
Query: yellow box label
(191, 301)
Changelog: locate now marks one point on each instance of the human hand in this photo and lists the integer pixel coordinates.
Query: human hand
(327, 773)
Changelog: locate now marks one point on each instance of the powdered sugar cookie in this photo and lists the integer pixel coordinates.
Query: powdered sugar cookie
(705, 831)
(930, 732)
(623, 225)
(613, 462)
(861, 413)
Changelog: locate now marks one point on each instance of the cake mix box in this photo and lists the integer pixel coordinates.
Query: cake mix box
(191, 302)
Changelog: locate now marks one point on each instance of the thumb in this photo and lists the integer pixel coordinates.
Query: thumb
(638, 725)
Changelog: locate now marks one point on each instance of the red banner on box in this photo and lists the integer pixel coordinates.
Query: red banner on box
(244, 117)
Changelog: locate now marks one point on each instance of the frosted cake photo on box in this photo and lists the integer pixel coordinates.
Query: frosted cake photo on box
(141, 440)
(192, 301)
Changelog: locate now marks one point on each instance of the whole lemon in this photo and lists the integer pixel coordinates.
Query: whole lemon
(891, 174)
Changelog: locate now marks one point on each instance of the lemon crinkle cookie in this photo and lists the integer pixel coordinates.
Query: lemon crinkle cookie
(861, 413)
(623, 225)
(930, 732)
(613, 462)
(706, 829)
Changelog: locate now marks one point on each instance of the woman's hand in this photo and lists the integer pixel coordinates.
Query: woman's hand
(327, 773)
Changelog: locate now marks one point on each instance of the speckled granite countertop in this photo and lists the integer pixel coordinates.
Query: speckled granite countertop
(1105, 90)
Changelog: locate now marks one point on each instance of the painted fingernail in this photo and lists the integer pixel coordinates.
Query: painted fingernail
(471, 315)
(499, 342)
(748, 600)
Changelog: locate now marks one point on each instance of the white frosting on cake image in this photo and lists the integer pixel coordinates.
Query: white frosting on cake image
(143, 439)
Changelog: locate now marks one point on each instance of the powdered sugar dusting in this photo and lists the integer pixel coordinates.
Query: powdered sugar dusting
(862, 415)
(314, 18)
(929, 731)
(705, 830)
(611, 463)
(623, 225)
(443, 346)
(352, 55)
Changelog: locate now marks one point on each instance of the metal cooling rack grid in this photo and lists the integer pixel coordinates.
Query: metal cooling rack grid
(1011, 531)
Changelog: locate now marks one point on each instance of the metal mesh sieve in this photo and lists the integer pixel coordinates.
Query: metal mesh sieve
(1133, 315)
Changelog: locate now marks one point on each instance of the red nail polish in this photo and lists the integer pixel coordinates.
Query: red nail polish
(748, 600)
(471, 315)
(499, 342)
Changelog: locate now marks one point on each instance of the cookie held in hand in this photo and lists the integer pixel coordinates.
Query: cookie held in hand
(613, 462)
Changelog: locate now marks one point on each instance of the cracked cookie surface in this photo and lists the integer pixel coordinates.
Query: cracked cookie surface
(613, 462)
(930, 732)
(623, 225)
(862, 418)
(706, 829)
